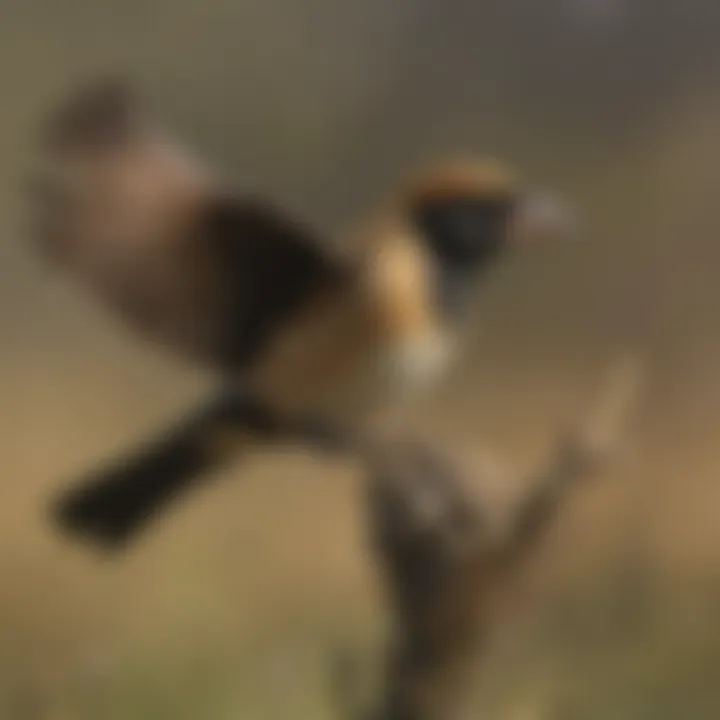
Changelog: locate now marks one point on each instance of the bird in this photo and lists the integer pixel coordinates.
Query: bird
(305, 336)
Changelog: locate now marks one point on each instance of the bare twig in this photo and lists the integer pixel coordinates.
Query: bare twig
(441, 556)
(592, 442)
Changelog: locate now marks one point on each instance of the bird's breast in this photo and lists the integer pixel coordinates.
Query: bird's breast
(338, 362)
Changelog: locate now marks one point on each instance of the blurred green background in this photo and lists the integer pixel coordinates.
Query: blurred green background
(232, 607)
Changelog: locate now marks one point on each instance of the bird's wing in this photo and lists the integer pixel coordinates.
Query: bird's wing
(271, 270)
(155, 231)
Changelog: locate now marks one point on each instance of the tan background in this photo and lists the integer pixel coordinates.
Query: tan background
(323, 102)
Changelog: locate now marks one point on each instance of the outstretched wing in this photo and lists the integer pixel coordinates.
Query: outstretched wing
(157, 235)
(269, 268)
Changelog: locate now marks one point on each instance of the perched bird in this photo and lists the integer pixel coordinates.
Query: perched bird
(306, 339)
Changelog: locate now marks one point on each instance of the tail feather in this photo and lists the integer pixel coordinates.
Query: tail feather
(111, 507)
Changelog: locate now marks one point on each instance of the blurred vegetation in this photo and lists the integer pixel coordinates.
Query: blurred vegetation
(616, 651)
(610, 652)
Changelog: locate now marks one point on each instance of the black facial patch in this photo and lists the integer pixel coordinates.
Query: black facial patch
(464, 230)
(464, 235)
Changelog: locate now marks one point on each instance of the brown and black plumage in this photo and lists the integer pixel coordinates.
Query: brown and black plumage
(304, 340)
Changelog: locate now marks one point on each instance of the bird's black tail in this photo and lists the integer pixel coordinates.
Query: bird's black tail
(112, 506)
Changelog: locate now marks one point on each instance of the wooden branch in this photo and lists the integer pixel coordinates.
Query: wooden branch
(582, 452)
(441, 556)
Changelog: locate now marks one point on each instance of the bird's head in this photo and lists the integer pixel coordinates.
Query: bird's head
(468, 215)
(429, 245)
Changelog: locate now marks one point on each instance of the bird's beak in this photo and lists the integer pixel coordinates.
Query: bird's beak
(541, 218)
